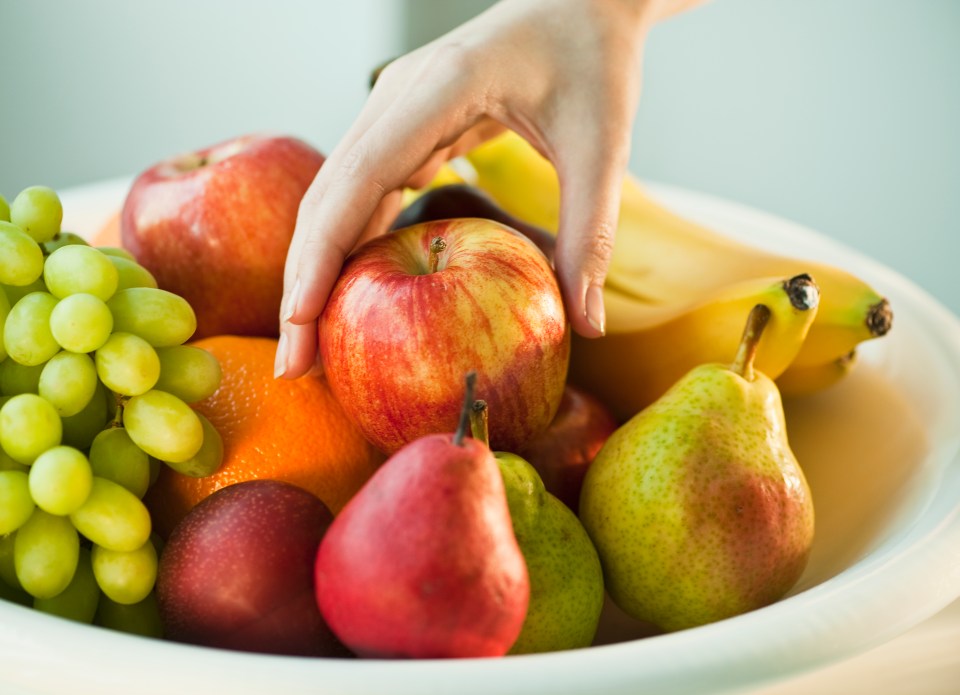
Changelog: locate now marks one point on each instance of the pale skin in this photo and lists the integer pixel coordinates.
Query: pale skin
(563, 74)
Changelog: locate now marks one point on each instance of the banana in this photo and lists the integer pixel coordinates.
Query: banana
(630, 369)
(800, 381)
(663, 260)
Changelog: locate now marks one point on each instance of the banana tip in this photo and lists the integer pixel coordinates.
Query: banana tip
(880, 318)
(803, 292)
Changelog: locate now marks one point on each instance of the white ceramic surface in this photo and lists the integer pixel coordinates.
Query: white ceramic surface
(877, 588)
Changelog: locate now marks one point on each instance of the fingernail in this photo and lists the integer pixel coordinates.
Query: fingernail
(280, 363)
(292, 300)
(594, 312)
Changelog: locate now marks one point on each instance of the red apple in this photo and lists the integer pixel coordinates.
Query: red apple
(404, 323)
(237, 572)
(564, 451)
(214, 225)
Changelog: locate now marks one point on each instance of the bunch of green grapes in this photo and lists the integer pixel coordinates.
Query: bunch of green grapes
(95, 392)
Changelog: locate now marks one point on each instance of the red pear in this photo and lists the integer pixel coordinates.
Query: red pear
(423, 562)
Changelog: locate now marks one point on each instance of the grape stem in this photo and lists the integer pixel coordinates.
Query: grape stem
(121, 401)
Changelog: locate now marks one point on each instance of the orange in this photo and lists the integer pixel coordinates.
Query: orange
(290, 430)
(109, 233)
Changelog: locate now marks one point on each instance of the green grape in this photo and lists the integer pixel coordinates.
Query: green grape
(73, 269)
(16, 378)
(126, 577)
(81, 322)
(17, 292)
(8, 464)
(26, 332)
(132, 274)
(189, 373)
(155, 466)
(163, 425)
(45, 554)
(8, 570)
(21, 259)
(4, 209)
(4, 310)
(80, 429)
(29, 425)
(80, 599)
(141, 618)
(63, 239)
(116, 252)
(68, 381)
(16, 505)
(114, 456)
(38, 211)
(206, 461)
(12, 595)
(159, 317)
(113, 517)
(60, 480)
(127, 364)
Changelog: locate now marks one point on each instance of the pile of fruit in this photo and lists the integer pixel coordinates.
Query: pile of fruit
(462, 478)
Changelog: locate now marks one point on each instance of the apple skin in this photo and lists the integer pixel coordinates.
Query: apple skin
(214, 226)
(563, 452)
(395, 340)
(237, 572)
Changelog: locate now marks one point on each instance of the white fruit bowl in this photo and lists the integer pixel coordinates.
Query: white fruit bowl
(882, 454)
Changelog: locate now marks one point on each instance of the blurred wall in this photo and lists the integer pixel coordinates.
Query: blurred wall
(104, 88)
(842, 116)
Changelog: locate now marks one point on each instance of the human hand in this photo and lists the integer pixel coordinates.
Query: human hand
(564, 74)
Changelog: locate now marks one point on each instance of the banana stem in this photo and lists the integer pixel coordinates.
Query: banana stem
(461, 432)
(437, 245)
(756, 322)
(479, 422)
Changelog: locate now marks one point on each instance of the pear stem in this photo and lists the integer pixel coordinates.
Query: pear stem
(464, 423)
(756, 322)
(479, 422)
(437, 245)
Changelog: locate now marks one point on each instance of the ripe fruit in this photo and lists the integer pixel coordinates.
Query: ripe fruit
(697, 505)
(238, 572)
(414, 310)
(423, 562)
(294, 431)
(213, 226)
(563, 452)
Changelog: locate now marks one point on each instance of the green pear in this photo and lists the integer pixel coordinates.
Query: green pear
(697, 506)
(566, 580)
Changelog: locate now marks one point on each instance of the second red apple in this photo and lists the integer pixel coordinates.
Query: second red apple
(214, 225)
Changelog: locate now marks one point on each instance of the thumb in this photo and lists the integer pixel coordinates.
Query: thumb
(591, 179)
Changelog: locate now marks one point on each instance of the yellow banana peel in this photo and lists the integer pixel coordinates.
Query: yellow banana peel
(803, 380)
(629, 370)
(662, 260)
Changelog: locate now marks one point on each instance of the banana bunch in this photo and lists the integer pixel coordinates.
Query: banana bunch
(676, 291)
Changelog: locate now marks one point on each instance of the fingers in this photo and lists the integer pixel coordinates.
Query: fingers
(591, 177)
(348, 198)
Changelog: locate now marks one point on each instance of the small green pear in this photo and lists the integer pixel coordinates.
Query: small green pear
(566, 580)
(697, 506)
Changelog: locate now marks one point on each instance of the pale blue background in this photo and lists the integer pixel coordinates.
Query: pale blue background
(843, 115)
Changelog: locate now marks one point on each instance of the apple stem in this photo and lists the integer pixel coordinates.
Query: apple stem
(437, 245)
(756, 322)
(479, 422)
(464, 423)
